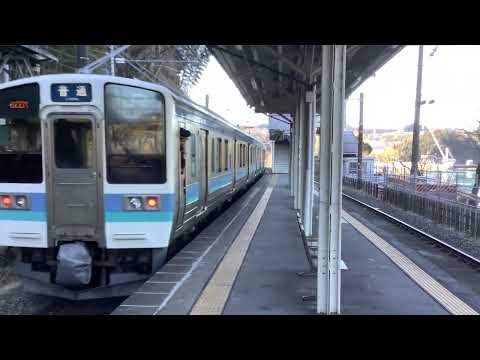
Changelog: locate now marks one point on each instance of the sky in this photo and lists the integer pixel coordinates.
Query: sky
(451, 78)
(224, 97)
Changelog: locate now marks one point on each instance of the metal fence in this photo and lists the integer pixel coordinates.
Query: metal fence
(462, 218)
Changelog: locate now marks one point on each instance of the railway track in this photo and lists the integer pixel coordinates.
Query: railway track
(420, 233)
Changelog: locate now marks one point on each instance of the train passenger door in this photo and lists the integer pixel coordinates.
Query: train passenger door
(182, 175)
(203, 168)
(73, 178)
(249, 161)
(235, 164)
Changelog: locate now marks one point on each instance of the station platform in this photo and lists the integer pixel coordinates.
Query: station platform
(246, 263)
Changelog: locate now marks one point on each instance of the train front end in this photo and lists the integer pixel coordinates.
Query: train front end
(86, 197)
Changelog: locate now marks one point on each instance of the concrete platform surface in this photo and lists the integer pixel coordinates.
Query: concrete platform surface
(267, 282)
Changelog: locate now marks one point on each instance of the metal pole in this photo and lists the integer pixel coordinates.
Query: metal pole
(302, 146)
(360, 143)
(273, 157)
(310, 140)
(295, 157)
(82, 56)
(290, 161)
(416, 122)
(4, 76)
(330, 192)
(112, 61)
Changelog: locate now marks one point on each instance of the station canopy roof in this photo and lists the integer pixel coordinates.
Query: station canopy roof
(269, 76)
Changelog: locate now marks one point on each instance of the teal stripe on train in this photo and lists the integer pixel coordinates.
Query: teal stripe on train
(139, 216)
(23, 215)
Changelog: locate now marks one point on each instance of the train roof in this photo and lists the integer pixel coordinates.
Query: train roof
(165, 88)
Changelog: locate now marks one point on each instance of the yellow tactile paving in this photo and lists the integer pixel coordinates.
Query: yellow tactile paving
(449, 301)
(215, 295)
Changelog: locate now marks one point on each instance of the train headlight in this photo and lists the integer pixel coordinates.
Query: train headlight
(21, 202)
(135, 203)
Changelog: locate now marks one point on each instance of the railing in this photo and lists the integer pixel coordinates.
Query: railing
(462, 218)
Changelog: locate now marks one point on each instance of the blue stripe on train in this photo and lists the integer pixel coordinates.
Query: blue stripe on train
(219, 182)
(241, 173)
(114, 211)
(193, 193)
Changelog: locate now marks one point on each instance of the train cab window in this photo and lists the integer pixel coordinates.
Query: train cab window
(225, 155)
(135, 135)
(73, 144)
(20, 135)
(193, 155)
(219, 155)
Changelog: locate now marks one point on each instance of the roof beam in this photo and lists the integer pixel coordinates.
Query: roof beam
(282, 58)
(253, 62)
(40, 52)
(280, 63)
(255, 84)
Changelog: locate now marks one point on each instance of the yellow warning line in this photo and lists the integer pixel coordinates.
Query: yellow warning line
(449, 301)
(215, 295)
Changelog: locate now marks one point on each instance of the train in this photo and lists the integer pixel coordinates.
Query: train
(100, 176)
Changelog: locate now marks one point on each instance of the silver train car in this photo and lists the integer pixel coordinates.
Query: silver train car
(100, 176)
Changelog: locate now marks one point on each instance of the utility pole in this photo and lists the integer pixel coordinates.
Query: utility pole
(416, 122)
(82, 55)
(112, 61)
(207, 101)
(360, 143)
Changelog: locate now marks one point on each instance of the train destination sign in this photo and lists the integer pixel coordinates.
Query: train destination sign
(71, 92)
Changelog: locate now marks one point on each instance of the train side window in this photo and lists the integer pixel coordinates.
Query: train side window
(230, 156)
(219, 155)
(225, 154)
(244, 155)
(212, 155)
(241, 155)
(193, 155)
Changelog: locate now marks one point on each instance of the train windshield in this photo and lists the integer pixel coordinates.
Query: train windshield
(20, 135)
(135, 135)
